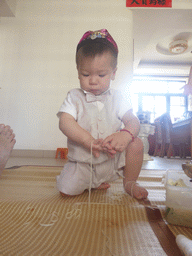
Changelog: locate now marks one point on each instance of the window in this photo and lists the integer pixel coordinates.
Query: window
(158, 97)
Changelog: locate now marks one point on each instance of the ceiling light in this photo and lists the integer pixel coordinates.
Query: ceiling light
(178, 46)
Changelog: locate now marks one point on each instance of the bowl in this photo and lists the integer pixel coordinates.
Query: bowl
(187, 168)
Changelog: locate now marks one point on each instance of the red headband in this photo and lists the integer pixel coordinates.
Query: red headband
(102, 33)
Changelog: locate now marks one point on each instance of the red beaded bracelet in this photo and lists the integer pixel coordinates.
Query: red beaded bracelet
(124, 130)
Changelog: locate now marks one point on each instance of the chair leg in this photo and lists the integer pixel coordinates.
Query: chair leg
(182, 150)
(170, 151)
(156, 150)
(162, 150)
(57, 153)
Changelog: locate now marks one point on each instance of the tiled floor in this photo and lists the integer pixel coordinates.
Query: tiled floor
(165, 163)
(157, 163)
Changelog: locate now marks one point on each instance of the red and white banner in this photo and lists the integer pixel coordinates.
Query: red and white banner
(149, 3)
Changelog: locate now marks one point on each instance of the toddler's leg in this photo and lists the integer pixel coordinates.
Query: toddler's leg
(7, 143)
(103, 186)
(134, 160)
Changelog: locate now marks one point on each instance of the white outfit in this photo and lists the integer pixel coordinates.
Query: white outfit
(101, 116)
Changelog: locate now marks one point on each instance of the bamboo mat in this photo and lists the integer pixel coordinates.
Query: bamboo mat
(36, 220)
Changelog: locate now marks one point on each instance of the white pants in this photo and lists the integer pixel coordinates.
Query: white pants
(75, 176)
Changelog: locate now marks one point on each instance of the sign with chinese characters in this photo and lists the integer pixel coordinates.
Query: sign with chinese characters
(149, 3)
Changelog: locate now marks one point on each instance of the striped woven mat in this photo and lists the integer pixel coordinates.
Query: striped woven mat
(36, 220)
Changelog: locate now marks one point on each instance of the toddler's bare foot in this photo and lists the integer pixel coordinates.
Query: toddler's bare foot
(65, 194)
(7, 143)
(104, 186)
(136, 191)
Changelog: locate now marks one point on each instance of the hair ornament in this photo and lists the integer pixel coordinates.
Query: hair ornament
(102, 33)
(96, 34)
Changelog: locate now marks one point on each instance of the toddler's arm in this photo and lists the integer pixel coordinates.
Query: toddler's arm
(131, 123)
(76, 133)
(119, 141)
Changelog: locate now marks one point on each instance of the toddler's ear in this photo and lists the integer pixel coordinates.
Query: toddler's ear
(113, 74)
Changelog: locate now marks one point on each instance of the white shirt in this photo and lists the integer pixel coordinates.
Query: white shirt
(100, 115)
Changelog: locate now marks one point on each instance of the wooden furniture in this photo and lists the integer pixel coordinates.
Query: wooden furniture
(181, 138)
(163, 127)
(172, 139)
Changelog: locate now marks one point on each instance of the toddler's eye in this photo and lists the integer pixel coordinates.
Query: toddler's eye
(85, 75)
(101, 75)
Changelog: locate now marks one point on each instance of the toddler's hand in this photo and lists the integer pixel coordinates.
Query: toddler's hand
(116, 142)
(107, 148)
(99, 145)
(96, 147)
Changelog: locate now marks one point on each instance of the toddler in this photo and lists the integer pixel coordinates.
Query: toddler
(92, 116)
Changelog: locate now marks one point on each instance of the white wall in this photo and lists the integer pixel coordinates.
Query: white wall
(7, 8)
(37, 62)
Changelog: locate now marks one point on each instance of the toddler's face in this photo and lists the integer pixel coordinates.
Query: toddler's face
(95, 74)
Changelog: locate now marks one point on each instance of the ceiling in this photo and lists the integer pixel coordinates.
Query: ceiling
(152, 27)
(159, 27)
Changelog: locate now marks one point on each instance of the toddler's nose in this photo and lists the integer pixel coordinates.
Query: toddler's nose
(93, 80)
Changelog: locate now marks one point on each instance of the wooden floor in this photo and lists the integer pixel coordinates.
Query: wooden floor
(157, 163)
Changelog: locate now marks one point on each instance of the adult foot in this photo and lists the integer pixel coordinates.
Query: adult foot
(7, 143)
(136, 191)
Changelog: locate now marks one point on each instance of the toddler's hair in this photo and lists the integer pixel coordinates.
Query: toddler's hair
(95, 47)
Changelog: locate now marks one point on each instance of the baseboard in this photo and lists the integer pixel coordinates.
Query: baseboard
(33, 153)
